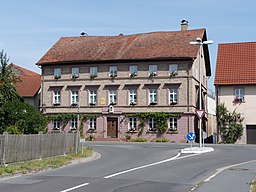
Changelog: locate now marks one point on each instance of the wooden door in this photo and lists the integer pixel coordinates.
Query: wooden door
(112, 128)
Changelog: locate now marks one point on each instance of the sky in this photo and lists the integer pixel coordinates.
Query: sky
(29, 28)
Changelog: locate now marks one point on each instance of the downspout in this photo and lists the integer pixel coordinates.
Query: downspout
(42, 88)
(217, 111)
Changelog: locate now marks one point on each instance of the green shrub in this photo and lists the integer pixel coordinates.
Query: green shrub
(139, 139)
(162, 140)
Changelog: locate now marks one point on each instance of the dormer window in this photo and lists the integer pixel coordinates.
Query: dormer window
(152, 69)
(75, 72)
(133, 71)
(93, 72)
(113, 71)
(57, 73)
(173, 70)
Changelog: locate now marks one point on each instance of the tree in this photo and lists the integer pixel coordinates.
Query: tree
(7, 80)
(16, 117)
(229, 123)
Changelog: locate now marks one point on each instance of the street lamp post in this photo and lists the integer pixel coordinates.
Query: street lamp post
(200, 43)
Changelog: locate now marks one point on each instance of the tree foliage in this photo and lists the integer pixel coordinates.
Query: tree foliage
(16, 117)
(230, 124)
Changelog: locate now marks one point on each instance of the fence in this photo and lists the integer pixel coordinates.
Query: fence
(15, 148)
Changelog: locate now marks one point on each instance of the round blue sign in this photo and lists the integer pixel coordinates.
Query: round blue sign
(191, 136)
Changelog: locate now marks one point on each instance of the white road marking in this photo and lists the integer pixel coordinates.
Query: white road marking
(75, 187)
(149, 165)
(218, 171)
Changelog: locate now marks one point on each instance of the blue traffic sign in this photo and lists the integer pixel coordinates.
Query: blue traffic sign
(191, 136)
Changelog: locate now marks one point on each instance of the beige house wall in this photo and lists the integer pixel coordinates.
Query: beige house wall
(246, 108)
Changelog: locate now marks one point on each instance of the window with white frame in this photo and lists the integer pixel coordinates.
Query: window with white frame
(75, 72)
(152, 69)
(173, 95)
(152, 124)
(152, 96)
(112, 97)
(173, 123)
(73, 123)
(56, 124)
(133, 70)
(239, 94)
(113, 71)
(93, 72)
(132, 96)
(56, 97)
(74, 97)
(132, 124)
(173, 69)
(92, 123)
(92, 97)
(57, 73)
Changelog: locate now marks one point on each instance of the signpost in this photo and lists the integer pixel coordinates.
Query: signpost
(191, 137)
(82, 140)
(200, 114)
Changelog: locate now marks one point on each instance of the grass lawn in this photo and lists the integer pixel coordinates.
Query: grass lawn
(39, 165)
(253, 187)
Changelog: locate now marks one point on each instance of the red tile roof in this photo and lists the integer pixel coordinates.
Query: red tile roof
(155, 45)
(236, 64)
(30, 82)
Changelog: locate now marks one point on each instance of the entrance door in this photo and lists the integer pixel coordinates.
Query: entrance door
(112, 127)
(251, 134)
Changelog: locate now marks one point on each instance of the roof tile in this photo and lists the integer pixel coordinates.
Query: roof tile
(236, 64)
(155, 45)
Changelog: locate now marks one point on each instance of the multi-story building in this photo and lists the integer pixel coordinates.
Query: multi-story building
(121, 78)
(235, 83)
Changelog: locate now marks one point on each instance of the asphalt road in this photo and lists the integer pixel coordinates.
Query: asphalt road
(145, 167)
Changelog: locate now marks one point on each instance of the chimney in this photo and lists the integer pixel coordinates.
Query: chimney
(184, 25)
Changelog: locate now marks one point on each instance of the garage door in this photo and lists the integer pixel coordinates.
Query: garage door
(251, 134)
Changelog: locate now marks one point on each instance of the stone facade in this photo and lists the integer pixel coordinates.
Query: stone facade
(186, 82)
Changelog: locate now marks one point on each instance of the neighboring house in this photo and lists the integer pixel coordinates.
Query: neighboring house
(28, 86)
(114, 76)
(211, 117)
(235, 83)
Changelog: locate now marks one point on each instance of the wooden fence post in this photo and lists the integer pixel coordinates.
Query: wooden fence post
(5, 134)
(40, 144)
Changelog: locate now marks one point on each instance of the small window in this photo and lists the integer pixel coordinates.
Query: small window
(56, 97)
(173, 124)
(133, 70)
(151, 124)
(132, 124)
(132, 96)
(239, 95)
(75, 72)
(173, 70)
(92, 97)
(152, 96)
(93, 72)
(112, 97)
(73, 123)
(56, 124)
(113, 71)
(152, 70)
(74, 97)
(92, 123)
(173, 92)
(57, 73)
